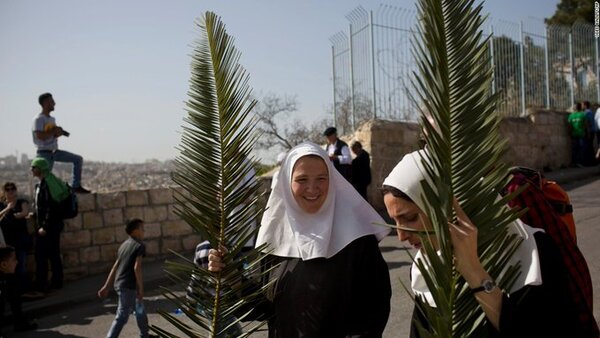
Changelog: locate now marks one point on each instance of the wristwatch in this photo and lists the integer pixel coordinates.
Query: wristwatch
(487, 286)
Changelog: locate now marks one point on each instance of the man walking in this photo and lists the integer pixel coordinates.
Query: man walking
(45, 134)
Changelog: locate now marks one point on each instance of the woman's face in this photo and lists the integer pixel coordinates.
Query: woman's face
(409, 220)
(10, 192)
(310, 183)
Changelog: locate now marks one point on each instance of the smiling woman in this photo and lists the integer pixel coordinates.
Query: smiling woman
(323, 254)
(310, 183)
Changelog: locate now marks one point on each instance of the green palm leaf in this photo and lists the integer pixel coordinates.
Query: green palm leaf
(216, 198)
(453, 85)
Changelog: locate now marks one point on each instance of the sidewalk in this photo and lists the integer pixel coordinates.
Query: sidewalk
(84, 289)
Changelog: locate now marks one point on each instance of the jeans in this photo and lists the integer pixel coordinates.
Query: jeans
(67, 157)
(47, 248)
(127, 304)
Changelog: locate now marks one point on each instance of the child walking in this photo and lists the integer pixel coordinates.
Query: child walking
(127, 276)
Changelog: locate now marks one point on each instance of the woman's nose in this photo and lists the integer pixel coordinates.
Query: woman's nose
(402, 235)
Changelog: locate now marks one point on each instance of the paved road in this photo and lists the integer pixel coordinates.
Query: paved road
(93, 319)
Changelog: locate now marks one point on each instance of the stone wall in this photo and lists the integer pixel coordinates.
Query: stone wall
(540, 140)
(90, 241)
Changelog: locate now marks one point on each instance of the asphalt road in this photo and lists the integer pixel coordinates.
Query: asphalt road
(93, 319)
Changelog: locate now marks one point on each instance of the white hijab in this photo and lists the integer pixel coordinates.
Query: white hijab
(343, 217)
(407, 177)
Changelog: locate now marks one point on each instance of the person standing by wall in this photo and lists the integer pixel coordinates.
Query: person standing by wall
(49, 192)
(578, 129)
(45, 134)
(361, 169)
(597, 128)
(13, 213)
(339, 153)
(589, 153)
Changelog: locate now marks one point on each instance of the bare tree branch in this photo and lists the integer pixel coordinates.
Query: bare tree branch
(272, 111)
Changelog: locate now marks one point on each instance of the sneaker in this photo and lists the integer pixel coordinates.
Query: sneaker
(81, 190)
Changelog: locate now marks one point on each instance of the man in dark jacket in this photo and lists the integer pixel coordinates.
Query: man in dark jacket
(49, 193)
(339, 153)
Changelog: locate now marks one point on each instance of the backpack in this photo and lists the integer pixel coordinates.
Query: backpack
(69, 207)
(543, 198)
(549, 208)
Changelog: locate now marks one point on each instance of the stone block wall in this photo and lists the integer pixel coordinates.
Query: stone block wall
(539, 140)
(90, 241)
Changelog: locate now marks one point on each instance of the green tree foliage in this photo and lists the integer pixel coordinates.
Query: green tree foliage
(569, 11)
(453, 85)
(215, 198)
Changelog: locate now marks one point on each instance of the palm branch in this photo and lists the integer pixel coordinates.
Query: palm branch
(216, 199)
(458, 115)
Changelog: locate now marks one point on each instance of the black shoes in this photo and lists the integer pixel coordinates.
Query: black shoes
(81, 190)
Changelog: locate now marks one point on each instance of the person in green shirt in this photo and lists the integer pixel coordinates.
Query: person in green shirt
(578, 130)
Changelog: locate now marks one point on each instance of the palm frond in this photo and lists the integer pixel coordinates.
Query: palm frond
(216, 198)
(458, 116)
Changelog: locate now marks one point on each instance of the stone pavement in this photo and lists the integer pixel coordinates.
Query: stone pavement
(84, 290)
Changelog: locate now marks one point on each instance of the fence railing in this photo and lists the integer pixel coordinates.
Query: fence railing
(535, 65)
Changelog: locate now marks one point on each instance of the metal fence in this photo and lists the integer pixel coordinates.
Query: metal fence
(535, 65)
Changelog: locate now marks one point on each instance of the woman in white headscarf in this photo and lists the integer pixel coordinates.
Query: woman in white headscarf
(538, 304)
(331, 280)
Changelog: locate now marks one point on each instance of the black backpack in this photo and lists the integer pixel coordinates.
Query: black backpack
(69, 207)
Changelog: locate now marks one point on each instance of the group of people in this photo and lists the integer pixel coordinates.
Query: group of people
(356, 171)
(44, 239)
(584, 129)
(16, 238)
(330, 277)
(332, 281)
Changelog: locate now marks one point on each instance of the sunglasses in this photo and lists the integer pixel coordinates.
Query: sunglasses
(10, 189)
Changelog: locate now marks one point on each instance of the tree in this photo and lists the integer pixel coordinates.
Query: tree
(272, 110)
(569, 11)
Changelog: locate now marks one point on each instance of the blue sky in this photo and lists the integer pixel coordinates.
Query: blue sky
(119, 69)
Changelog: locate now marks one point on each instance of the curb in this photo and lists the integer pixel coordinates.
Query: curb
(570, 175)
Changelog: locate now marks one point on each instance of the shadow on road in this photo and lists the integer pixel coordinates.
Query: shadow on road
(83, 315)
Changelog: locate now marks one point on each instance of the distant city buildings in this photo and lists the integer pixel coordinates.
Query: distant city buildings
(99, 176)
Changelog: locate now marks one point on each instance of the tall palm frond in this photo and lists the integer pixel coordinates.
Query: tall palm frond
(464, 150)
(216, 197)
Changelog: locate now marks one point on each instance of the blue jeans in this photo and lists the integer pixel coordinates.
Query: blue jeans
(128, 303)
(67, 157)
